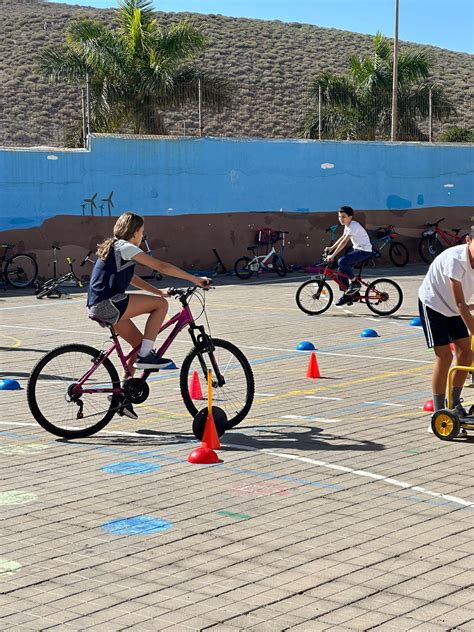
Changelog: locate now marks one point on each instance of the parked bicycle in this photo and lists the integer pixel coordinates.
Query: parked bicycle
(397, 252)
(50, 288)
(245, 267)
(434, 240)
(382, 296)
(68, 390)
(153, 274)
(18, 270)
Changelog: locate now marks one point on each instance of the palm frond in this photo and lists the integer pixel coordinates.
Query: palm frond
(125, 14)
(413, 66)
(61, 64)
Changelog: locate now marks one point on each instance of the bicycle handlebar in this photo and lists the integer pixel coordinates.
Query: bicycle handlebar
(332, 228)
(86, 258)
(182, 294)
(438, 221)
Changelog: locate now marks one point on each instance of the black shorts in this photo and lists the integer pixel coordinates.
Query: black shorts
(439, 329)
(121, 305)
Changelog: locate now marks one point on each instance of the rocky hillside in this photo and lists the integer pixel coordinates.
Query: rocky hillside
(268, 63)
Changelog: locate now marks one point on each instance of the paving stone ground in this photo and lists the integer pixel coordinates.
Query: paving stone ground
(333, 508)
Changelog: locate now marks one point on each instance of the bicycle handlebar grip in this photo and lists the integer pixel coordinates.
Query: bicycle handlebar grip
(85, 258)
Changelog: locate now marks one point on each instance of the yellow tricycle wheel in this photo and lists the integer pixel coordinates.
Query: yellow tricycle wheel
(445, 424)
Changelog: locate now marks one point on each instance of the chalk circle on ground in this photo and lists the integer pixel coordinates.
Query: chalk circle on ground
(8, 567)
(136, 525)
(131, 467)
(16, 497)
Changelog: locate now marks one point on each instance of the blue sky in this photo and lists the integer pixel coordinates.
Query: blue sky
(443, 23)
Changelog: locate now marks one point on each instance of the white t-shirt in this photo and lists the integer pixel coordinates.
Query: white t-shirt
(436, 292)
(126, 249)
(359, 236)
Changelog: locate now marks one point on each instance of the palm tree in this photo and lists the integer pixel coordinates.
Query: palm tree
(358, 105)
(136, 70)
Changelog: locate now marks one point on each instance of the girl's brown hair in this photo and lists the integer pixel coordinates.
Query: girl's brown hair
(125, 227)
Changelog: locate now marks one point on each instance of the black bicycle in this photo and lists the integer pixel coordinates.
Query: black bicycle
(18, 270)
(50, 288)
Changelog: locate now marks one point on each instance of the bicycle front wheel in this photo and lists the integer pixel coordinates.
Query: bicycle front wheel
(314, 297)
(383, 297)
(398, 254)
(233, 385)
(429, 248)
(242, 268)
(21, 270)
(279, 265)
(50, 392)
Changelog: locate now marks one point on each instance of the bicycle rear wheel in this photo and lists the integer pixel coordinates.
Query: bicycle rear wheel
(21, 270)
(383, 297)
(314, 297)
(398, 254)
(242, 268)
(429, 248)
(52, 402)
(233, 385)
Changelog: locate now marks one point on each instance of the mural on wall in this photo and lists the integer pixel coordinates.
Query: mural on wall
(192, 181)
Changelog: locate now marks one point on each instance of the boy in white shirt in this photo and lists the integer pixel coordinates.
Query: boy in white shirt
(361, 250)
(446, 317)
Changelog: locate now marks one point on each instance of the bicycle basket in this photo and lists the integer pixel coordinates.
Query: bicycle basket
(268, 236)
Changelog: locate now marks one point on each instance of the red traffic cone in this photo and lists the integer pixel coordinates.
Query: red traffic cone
(195, 387)
(313, 368)
(429, 406)
(203, 456)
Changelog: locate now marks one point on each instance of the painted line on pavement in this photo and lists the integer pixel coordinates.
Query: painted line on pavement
(35, 305)
(364, 473)
(339, 468)
(324, 420)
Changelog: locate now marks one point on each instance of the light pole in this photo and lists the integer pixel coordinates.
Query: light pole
(393, 136)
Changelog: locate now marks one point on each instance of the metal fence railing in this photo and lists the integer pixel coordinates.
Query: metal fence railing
(57, 115)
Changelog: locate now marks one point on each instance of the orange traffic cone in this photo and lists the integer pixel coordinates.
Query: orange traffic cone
(210, 438)
(313, 368)
(195, 387)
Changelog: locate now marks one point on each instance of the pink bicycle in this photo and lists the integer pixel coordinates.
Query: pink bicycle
(74, 390)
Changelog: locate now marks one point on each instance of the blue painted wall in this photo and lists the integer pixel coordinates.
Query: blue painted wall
(208, 175)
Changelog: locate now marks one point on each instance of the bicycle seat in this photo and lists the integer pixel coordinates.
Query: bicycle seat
(7, 245)
(364, 262)
(252, 248)
(101, 321)
(456, 230)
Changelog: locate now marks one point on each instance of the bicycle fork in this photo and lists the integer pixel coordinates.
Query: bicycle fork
(202, 338)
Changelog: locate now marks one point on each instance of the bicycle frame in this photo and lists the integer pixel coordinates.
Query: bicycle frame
(261, 260)
(180, 320)
(446, 236)
(326, 271)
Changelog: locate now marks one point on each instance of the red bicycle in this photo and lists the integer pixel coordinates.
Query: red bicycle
(74, 390)
(382, 296)
(434, 240)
